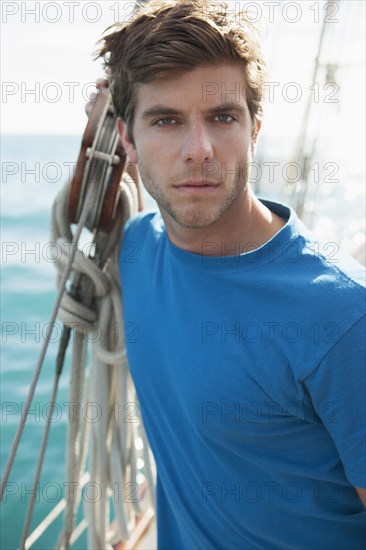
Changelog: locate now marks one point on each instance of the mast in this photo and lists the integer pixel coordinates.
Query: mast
(303, 153)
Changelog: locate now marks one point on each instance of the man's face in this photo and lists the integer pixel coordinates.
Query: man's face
(193, 140)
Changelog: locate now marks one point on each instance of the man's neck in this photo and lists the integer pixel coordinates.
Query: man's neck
(247, 228)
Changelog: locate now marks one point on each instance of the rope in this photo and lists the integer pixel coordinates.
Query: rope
(112, 453)
(74, 450)
(40, 462)
(62, 284)
(51, 517)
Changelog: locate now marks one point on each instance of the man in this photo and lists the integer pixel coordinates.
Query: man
(248, 359)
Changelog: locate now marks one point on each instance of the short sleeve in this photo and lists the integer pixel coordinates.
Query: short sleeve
(338, 384)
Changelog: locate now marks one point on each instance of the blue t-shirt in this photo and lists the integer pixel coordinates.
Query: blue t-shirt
(250, 374)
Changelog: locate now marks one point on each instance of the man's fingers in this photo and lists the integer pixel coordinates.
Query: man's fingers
(102, 83)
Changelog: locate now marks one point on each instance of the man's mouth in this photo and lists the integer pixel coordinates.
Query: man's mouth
(196, 186)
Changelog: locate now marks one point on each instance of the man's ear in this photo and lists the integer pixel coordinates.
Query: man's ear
(256, 128)
(128, 146)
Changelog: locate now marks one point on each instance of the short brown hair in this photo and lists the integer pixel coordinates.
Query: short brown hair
(167, 38)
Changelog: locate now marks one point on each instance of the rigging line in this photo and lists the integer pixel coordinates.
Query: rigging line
(345, 34)
(87, 204)
(304, 129)
(52, 516)
(40, 461)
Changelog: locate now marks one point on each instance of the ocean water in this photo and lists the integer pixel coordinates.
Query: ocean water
(34, 168)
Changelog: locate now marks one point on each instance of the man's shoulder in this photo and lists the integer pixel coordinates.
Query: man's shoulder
(139, 225)
(321, 277)
(331, 265)
(309, 262)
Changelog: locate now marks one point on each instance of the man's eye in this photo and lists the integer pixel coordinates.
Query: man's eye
(225, 118)
(164, 122)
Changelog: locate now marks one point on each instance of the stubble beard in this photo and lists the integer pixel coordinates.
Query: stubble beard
(194, 216)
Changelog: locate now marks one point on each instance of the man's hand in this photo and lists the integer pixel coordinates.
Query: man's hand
(362, 495)
(100, 84)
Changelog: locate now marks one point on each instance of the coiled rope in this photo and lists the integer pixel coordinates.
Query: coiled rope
(116, 447)
(62, 284)
(117, 451)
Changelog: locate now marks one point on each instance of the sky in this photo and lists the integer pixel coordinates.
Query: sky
(48, 74)
(50, 52)
(48, 71)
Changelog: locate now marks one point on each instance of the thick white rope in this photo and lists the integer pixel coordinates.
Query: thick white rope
(112, 452)
(62, 280)
(74, 450)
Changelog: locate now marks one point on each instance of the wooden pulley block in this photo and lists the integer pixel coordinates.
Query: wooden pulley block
(101, 160)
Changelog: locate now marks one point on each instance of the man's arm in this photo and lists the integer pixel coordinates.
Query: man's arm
(362, 495)
(340, 379)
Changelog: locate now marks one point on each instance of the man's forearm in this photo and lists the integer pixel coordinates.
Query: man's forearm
(362, 495)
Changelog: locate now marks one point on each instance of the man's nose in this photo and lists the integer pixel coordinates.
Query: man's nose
(197, 145)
